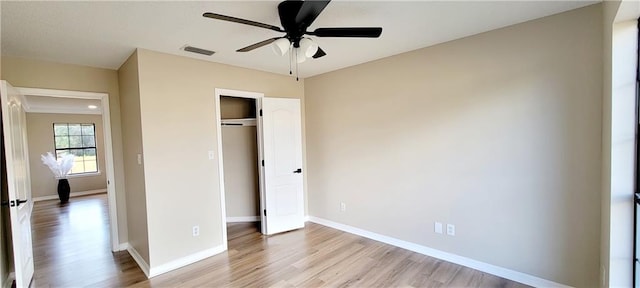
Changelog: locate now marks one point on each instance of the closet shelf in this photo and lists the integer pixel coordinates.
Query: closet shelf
(239, 122)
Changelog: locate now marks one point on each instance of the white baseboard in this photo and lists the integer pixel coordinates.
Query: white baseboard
(243, 219)
(123, 246)
(72, 194)
(8, 283)
(184, 261)
(453, 258)
(144, 266)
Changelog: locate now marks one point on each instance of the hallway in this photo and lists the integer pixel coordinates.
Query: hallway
(71, 246)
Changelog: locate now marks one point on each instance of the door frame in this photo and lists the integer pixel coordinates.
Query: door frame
(108, 147)
(219, 92)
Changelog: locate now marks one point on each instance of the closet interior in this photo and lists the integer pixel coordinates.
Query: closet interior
(240, 158)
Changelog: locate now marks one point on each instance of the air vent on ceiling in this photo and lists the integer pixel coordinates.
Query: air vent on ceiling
(198, 50)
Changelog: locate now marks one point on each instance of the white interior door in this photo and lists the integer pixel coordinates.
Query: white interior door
(282, 196)
(18, 181)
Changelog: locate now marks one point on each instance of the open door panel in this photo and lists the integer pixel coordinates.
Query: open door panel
(282, 196)
(18, 181)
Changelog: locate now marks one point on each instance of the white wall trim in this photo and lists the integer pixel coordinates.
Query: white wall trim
(60, 93)
(453, 258)
(62, 111)
(136, 256)
(243, 219)
(72, 194)
(184, 261)
(123, 246)
(8, 283)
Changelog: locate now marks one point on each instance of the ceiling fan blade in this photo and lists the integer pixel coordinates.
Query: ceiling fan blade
(364, 32)
(309, 11)
(241, 21)
(319, 54)
(297, 15)
(287, 10)
(258, 45)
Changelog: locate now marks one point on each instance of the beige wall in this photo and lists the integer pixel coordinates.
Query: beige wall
(240, 151)
(178, 129)
(132, 143)
(41, 74)
(40, 139)
(498, 134)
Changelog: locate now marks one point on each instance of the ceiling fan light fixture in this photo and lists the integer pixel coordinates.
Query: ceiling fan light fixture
(300, 57)
(281, 46)
(296, 17)
(308, 47)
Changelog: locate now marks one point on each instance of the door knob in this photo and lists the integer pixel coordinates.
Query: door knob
(298, 171)
(12, 203)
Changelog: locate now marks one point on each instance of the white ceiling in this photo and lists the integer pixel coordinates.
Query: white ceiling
(104, 34)
(61, 105)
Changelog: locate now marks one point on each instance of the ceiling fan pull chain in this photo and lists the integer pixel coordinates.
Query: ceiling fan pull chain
(297, 79)
(290, 57)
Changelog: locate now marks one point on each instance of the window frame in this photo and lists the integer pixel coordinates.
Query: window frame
(82, 147)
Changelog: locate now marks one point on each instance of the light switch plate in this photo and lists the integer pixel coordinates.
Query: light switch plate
(211, 155)
(451, 229)
(437, 227)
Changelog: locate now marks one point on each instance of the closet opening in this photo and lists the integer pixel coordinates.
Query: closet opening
(240, 162)
(259, 163)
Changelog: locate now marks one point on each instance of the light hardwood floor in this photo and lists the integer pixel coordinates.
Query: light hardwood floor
(71, 249)
(71, 246)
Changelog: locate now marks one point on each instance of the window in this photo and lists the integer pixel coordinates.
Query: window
(79, 140)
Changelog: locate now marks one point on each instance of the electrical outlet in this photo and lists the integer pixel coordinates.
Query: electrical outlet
(437, 227)
(139, 159)
(196, 231)
(343, 207)
(211, 155)
(451, 229)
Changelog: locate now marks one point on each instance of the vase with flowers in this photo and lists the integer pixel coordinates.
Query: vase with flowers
(60, 169)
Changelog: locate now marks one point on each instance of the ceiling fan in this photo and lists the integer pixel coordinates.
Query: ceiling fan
(296, 16)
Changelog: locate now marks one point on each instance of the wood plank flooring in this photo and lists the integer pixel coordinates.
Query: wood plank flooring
(71, 246)
(71, 249)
